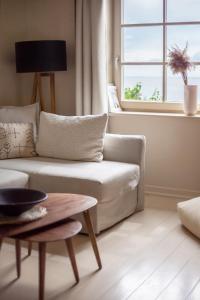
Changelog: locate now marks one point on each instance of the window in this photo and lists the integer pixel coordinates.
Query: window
(148, 28)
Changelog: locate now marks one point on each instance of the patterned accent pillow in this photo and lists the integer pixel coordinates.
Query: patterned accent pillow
(16, 140)
(21, 114)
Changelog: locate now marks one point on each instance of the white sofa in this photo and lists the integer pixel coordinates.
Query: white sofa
(117, 182)
(13, 179)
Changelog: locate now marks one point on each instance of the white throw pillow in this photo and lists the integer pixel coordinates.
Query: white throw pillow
(72, 138)
(16, 140)
(20, 114)
(189, 213)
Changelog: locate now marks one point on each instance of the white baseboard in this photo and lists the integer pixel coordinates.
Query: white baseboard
(171, 192)
(167, 197)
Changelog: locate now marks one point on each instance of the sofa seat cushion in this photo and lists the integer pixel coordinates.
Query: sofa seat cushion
(13, 179)
(105, 180)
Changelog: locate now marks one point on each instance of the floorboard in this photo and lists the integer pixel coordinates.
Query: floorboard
(148, 256)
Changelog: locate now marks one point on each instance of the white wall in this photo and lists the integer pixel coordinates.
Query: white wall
(36, 19)
(173, 143)
(173, 150)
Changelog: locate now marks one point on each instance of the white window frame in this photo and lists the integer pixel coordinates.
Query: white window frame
(117, 52)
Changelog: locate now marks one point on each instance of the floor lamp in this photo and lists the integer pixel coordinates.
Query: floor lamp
(42, 58)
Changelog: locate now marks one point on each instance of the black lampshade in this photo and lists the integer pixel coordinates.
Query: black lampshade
(41, 56)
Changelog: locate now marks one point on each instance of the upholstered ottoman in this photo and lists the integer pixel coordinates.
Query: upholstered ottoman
(13, 179)
(189, 213)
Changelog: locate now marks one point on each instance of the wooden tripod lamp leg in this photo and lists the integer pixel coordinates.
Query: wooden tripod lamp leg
(37, 88)
(53, 93)
(40, 91)
(34, 93)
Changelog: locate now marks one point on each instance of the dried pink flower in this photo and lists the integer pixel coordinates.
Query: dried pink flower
(179, 62)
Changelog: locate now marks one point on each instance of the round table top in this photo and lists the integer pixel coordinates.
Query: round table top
(59, 206)
(53, 233)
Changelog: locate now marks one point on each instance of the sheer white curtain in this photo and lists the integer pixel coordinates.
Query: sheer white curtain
(91, 58)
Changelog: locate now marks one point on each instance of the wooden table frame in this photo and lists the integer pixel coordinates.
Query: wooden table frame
(62, 231)
(60, 207)
(91, 234)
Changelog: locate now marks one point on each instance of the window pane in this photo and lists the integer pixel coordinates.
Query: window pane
(175, 86)
(142, 83)
(183, 10)
(179, 35)
(142, 44)
(142, 11)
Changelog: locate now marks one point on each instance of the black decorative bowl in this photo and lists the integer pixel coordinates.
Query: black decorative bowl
(15, 201)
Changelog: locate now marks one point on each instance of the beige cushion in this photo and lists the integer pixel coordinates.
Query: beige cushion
(105, 181)
(189, 213)
(20, 114)
(13, 179)
(72, 138)
(16, 140)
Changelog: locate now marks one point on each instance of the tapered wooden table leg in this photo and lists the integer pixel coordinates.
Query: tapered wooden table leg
(1, 241)
(29, 248)
(92, 236)
(18, 257)
(42, 264)
(72, 258)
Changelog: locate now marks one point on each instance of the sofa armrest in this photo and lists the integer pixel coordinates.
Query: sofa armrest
(128, 149)
(124, 148)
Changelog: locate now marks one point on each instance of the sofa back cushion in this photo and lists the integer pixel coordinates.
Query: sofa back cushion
(72, 138)
(16, 140)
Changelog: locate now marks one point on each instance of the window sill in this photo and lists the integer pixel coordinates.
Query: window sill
(155, 114)
(154, 108)
(171, 107)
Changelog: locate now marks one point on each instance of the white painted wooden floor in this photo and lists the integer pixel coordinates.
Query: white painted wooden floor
(148, 256)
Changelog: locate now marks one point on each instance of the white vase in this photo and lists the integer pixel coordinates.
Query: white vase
(190, 106)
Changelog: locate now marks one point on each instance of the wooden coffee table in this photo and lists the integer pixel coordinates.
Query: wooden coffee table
(59, 207)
